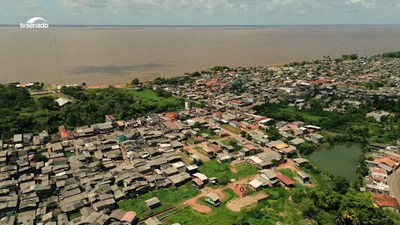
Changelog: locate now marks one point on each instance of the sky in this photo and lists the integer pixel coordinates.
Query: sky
(201, 12)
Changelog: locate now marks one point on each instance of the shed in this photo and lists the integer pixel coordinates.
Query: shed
(213, 199)
(153, 203)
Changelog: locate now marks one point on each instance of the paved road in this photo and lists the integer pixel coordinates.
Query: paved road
(394, 184)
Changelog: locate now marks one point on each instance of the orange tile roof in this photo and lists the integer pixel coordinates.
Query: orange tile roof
(378, 170)
(254, 126)
(218, 114)
(63, 132)
(129, 217)
(250, 147)
(386, 161)
(171, 115)
(385, 201)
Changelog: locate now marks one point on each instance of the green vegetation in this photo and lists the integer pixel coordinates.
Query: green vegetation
(223, 172)
(273, 133)
(168, 197)
(350, 57)
(75, 216)
(288, 172)
(204, 130)
(69, 154)
(353, 124)
(307, 148)
(23, 113)
(219, 68)
(391, 55)
(39, 157)
(232, 142)
(220, 215)
(373, 85)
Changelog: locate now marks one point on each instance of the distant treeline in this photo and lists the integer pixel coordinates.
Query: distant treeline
(391, 55)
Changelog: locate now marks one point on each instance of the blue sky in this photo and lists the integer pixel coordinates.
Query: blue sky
(202, 12)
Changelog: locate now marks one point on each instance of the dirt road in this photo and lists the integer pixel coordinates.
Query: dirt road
(193, 202)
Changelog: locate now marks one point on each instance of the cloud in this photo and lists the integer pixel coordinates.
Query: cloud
(27, 5)
(82, 5)
(198, 8)
(361, 3)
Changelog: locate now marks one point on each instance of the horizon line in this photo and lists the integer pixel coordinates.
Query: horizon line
(215, 25)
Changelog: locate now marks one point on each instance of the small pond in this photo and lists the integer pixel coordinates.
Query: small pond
(340, 159)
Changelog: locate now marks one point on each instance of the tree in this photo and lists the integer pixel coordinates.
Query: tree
(307, 148)
(273, 133)
(47, 103)
(135, 81)
(100, 167)
(39, 157)
(340, 185)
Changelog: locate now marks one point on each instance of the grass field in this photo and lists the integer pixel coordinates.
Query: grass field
(228, 141)
(317, 178)
(168, 198)
(230, 128)
(288, 172)
(223, 172)
(220, 215)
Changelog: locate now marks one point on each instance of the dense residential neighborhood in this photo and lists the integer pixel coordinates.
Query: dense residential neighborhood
(80, 175)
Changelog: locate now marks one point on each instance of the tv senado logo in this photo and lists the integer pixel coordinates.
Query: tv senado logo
(35, 23)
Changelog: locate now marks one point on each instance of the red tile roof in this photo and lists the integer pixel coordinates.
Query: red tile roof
(284, 179)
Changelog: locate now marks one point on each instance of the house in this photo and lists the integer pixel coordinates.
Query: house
(224, 158)
(199, 180)
(288, 150)
(63, 133)
(192, 169)
(297, 141)
(386, 201)
(285, 181)
(303, 177)
(18, 138)
(179, 178)
(270, 176)
(249, 149)
(300, 161)
(377, 116)
(264, 160)
(213, 199)
(277, 145)
(256, 185)
(108, 205)
(387, 161)
(152, 203)
(152, 221)
(63, 101)
(316, 138)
